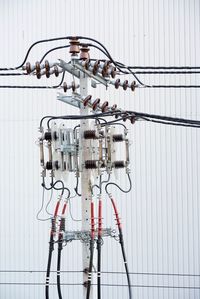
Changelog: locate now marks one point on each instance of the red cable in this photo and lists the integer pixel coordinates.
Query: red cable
(100, 219)
(116, 213)
(92, 221)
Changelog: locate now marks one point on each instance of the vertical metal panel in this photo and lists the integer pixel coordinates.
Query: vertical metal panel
(161, 216)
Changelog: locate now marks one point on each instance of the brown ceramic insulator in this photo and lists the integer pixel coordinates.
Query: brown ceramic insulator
(95, 67)
(47, 73)
(125, 85)
(56, 72)
(117, 83)
(38, 75)
(106, 66)
(73, 86)
(65, 86)
(133, 85)
(28, 67)
(74, 46)
(84, 55)
(95, 104)
(87, 100)
(113, 72)
(87, 64)
(104, 106)
(114, 107)
(104, 73)
(46, 65)
(37, 67)
(132, 119)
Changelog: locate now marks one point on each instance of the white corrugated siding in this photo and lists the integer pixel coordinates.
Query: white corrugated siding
(161, 215)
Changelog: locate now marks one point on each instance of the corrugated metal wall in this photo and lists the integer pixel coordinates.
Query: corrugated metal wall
(161, 216)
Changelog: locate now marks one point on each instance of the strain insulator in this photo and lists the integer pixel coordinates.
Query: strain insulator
(91, 164)
(47, 68)
(113, 72)
(114, 107)
(46, 65)
(95, 67)
(84, 55)
(56, 71)
(49, 165)
(133, 85)
(125, 85)
(28, 68)
(117, 83)
(104, 106)
(73, 86)
(87, 100)
(118, 164)
(133, 119)
(118, 137)
(65, 86)
(47, 73)
(95, 104)
(87, 64)
(74, 46)
(90, 134)
(105, 68)
(38, 69)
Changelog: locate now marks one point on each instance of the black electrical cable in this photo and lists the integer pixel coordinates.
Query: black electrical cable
(35, 86)
(114, 184)
(30, 48)
(90, 268)
(99, 240)
(99, 244)
(51, 248)
(53, 49)
(60, 247)
(121, 241)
